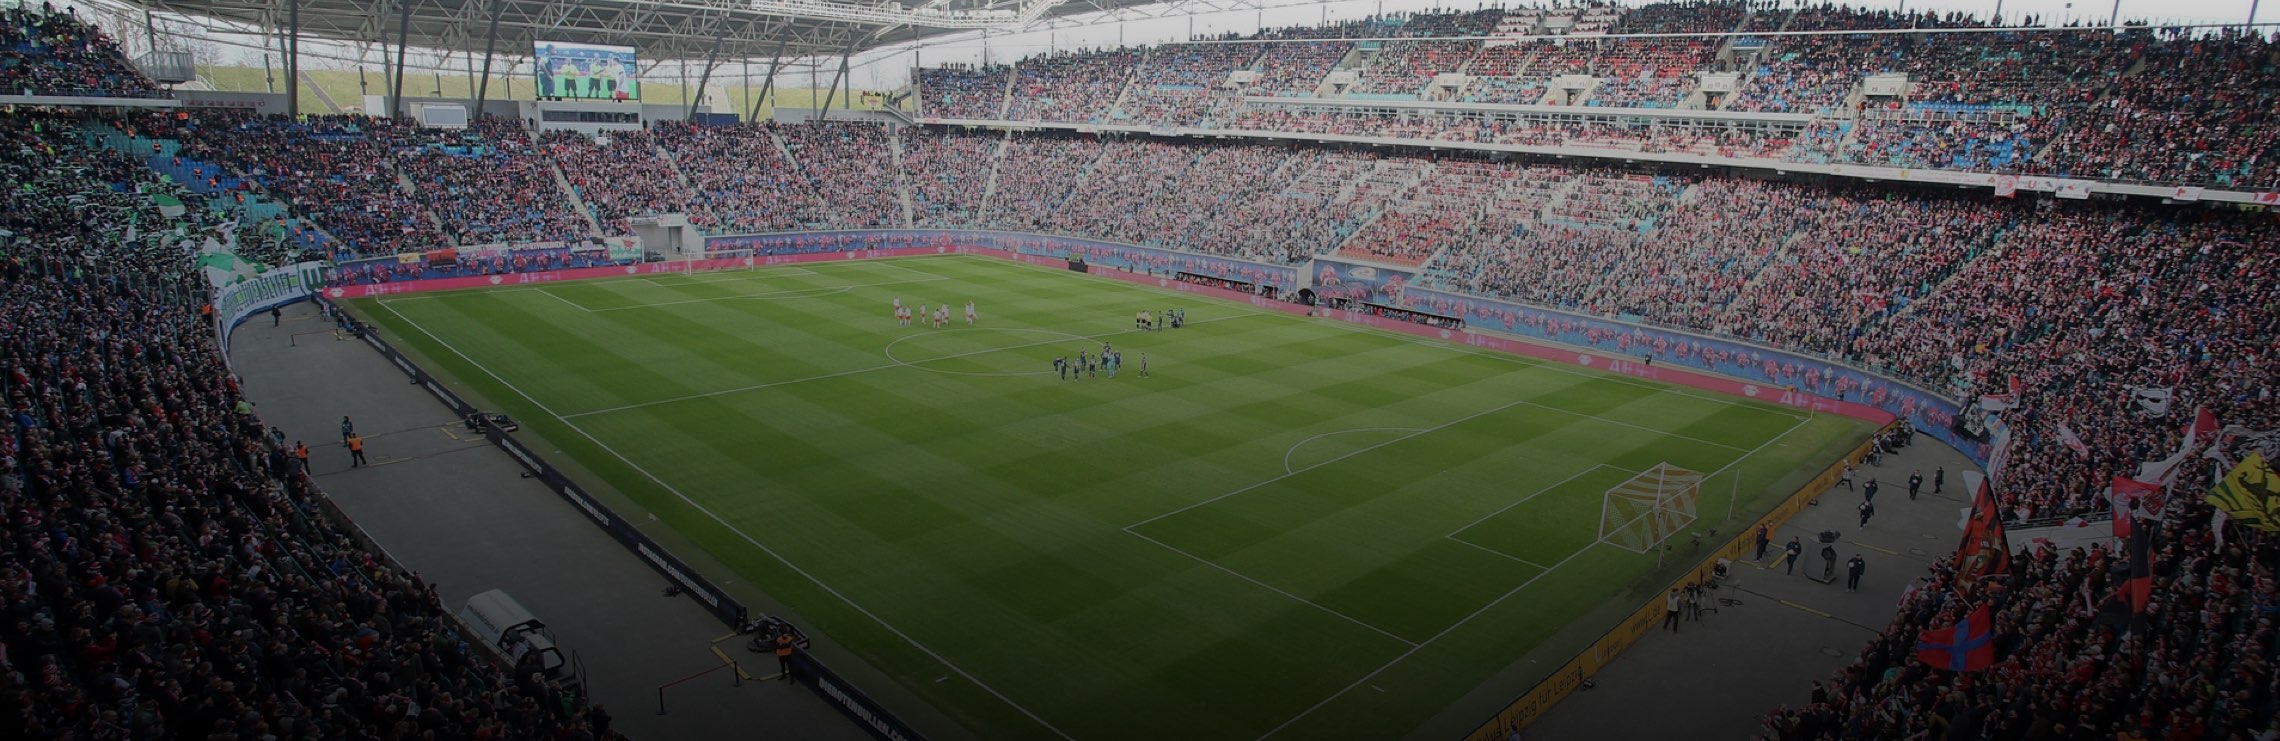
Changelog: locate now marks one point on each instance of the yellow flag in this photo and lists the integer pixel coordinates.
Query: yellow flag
(2250, 495)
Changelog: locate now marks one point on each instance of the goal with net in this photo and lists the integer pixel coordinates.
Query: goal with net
(1641, 513)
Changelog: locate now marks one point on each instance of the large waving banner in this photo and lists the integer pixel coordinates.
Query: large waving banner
(2249, 493)
(1129, 257)
(1782, 372)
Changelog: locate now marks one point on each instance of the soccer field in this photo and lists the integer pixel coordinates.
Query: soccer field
(1296, 528)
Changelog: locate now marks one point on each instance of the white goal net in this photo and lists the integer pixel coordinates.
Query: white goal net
(1641, 513)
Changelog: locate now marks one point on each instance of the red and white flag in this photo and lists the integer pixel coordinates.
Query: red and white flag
(2201, 431)
(2073, 441)
(2133, 497)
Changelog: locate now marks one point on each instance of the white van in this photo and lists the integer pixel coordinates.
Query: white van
(500, 621)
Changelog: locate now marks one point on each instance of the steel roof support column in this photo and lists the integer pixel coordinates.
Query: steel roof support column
(711, 60)
(151, 26)
(767, 86)
(825, 111)
(396, 106)
(293, 59)
(490, 44)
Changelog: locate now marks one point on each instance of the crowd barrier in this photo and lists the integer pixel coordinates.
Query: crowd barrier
(1528, 708)
(851, 702)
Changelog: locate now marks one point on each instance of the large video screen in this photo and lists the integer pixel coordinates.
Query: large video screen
(587, 72)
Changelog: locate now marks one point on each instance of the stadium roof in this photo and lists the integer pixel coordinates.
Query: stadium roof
(660, 29)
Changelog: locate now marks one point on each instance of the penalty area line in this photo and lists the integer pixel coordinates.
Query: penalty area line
(1273, 588)
(1335, 459)
(1461, 622)
(747, 537)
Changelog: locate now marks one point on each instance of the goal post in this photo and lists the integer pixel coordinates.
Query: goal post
(1639, 514)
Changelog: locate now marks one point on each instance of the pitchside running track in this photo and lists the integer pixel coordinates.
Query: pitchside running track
(1296, 528)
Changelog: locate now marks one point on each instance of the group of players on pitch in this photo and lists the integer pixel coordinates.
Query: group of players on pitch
(1090, 366)
(939, 317)
(1146, 321)
(1086, 366)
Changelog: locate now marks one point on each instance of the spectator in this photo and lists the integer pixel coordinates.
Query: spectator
(169, 574)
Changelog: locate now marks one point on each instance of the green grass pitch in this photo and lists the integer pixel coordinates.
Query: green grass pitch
(1296, 528)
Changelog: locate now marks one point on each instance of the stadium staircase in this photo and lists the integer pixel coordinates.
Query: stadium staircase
(404, 184)
(793, 161)
(1353, 53)
(1782, 255)
(666, 156)
(1749, 68)
(1124, 89)
(902, 180)
(1560, 195)
(1591, 89)
(786, 151)
(1384, 177)
(2136, 67)
(1086, 177)
(1005, 101)
(1852, 135)
(593, 225)
(989, 187)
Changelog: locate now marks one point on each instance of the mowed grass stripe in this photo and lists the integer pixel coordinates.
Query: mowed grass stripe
(522, 339)
(1361, 534)
(897, 516)
(983, 516)
(932, 552)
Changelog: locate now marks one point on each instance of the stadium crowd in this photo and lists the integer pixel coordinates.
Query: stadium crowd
(946, 190)
(168, 568)
(52, 51)
(2195, 113)
(963, 92)
(852, 167)
(170, 572)
(487, 183)
(2195, 664)
(2080, 306)
(2035, 100)
(744, 180)
(334, 170)
(1077, 86)
(620, 178)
